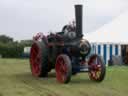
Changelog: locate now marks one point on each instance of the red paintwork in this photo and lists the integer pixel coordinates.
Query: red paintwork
(61, 69)
(35, 59)
(38, 36)
(95, 68)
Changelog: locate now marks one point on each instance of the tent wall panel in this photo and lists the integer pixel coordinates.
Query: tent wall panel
(119, 50)
(107, 51)
(116, 50)
(110, 52)
(99, 49)
(113, 49)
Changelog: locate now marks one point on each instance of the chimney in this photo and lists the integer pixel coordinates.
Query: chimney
(78, 17)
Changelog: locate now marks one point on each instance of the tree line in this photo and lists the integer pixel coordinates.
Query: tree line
(10, 48)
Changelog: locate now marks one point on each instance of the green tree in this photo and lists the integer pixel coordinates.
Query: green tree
(5, 39)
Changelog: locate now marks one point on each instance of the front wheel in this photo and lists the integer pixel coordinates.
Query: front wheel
(97, 68)
(63, 68)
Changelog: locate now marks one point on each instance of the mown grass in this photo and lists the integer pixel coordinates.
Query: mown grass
(16, 80)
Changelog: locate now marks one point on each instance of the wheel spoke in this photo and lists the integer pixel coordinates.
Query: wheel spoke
(93, 74)
(98, 73)
(64, 77)
(34, 51)
(64, 68)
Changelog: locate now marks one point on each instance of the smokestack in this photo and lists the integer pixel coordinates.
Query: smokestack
(78, 16)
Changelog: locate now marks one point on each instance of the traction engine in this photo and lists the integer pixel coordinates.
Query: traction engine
(66, 52)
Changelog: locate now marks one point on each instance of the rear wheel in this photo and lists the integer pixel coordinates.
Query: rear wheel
(97, 68)
(63, 68)
(39, 59)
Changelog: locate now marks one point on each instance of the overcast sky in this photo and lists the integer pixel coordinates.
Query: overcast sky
(21, 19)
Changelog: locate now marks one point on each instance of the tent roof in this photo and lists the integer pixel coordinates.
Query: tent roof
(114, 32)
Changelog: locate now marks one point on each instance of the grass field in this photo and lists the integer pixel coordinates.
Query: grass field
(16, 80)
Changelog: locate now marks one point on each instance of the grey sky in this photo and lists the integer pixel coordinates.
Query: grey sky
(21, 19)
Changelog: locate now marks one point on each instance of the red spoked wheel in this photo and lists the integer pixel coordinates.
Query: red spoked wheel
(63, 68)
(97, 68)
(38, 59)
(35, 59)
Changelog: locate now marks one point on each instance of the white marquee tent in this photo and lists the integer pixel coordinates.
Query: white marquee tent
(108, 39)
(114, 32)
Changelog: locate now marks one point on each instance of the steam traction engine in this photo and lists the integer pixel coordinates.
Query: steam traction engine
(67, 52)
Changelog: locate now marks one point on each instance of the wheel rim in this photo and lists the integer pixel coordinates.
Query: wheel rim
(61, 70)
(35, 60)
(95, 68)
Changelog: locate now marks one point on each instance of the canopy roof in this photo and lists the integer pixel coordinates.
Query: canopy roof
(114, 32)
